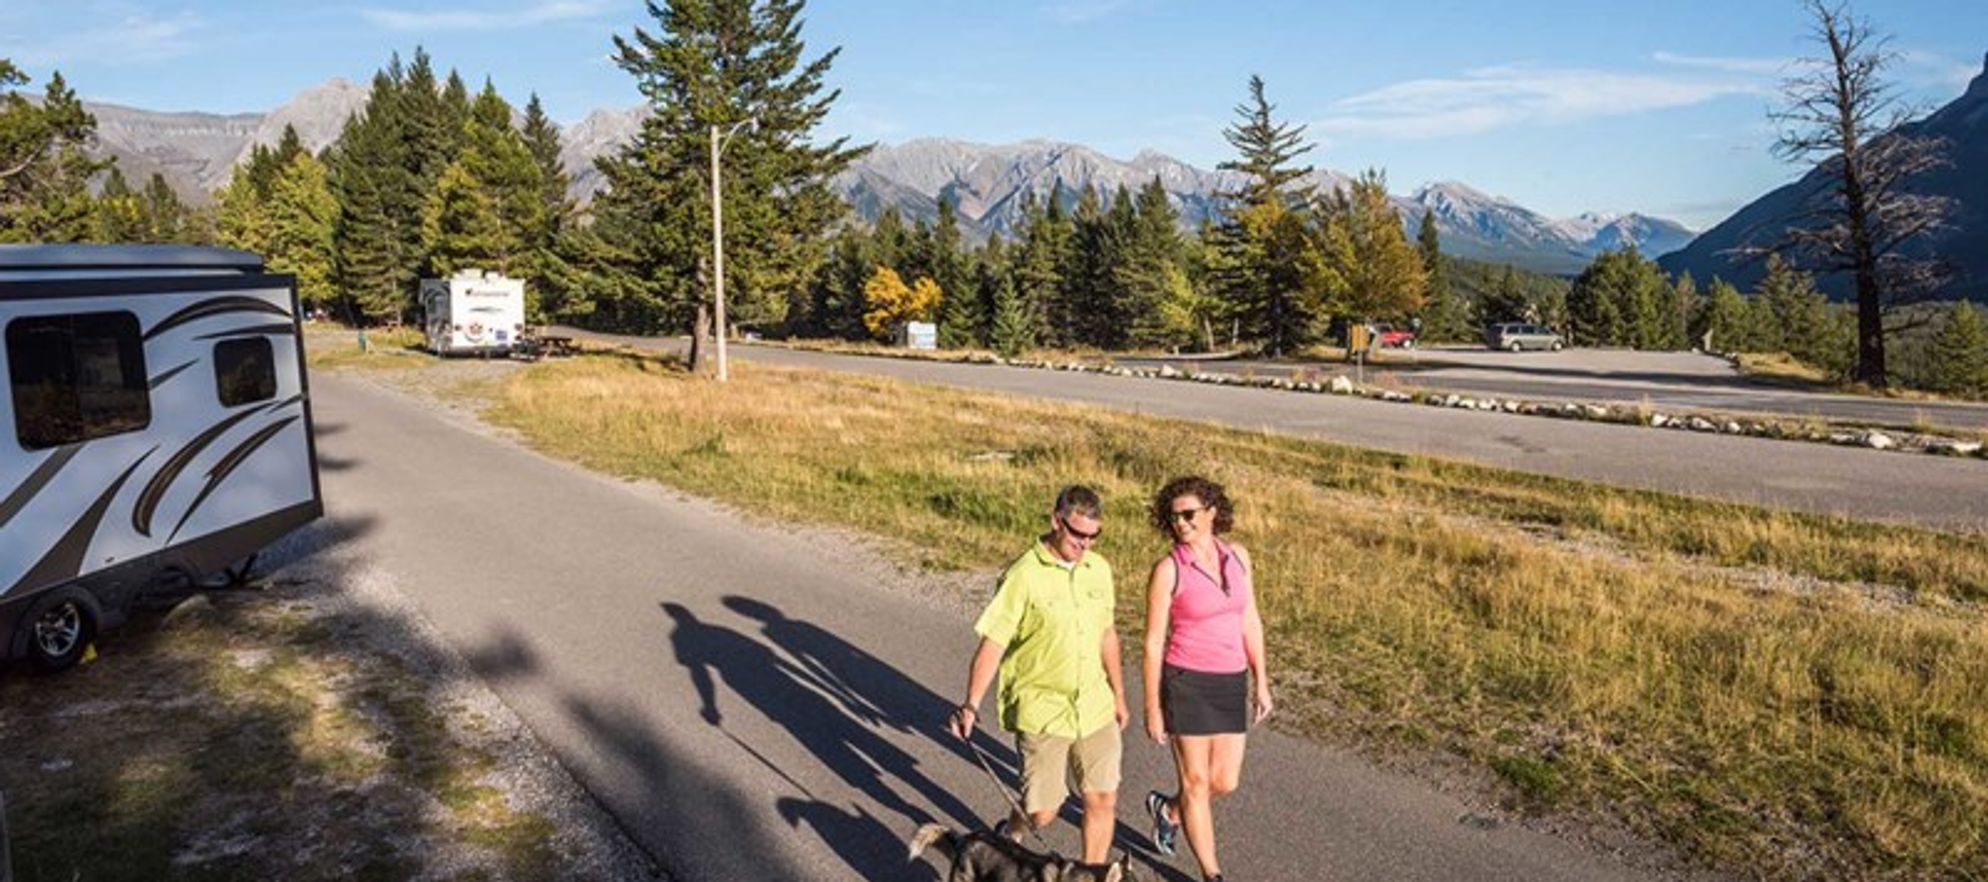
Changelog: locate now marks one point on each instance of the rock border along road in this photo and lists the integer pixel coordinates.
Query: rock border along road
(753, 702)
(1923, 490)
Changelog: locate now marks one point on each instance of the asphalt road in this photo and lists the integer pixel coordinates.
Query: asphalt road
(752, 703)
(1675, 380)
(1932, 491)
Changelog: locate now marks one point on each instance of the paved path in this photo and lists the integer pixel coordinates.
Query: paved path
(1674, 380)
(751, 707)
(1933, 491)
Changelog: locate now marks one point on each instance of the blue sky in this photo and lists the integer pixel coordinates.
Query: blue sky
(1564, 107)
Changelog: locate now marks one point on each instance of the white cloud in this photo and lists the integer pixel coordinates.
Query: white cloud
(119, 34)
(1495, 97)
(1765, 66)
(1934, 69)
(1079, 11)
(483, 20)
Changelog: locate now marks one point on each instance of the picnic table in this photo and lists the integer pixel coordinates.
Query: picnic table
(536, 343)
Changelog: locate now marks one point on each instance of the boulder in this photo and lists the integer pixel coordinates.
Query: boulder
(1879, 441)
(1342, 385)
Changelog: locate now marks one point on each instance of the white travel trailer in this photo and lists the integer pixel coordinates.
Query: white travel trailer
(155, 429)
(473, 312)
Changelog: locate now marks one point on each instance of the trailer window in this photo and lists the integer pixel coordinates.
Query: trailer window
(244, 370)
(77, 377)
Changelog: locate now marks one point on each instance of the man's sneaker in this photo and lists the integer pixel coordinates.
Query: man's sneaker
(1165, 831)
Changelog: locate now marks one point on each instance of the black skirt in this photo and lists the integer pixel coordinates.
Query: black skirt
(1201, 703)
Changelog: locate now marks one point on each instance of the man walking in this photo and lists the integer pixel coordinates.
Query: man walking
(1049, 630)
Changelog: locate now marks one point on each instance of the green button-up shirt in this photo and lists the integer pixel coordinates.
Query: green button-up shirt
(1052, 618)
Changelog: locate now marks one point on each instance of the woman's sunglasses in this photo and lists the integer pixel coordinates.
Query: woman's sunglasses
(1187, 514)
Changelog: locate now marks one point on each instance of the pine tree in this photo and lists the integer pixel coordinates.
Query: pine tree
(379, 203)
(119, 217)
(713, 66)
(1379, 275)
(1160, 304)
(461, 228)
(1268, 267)
(1443, 318)
(1506, 300)
(960, 317)
(1721, 323)
(164, 214)
(1799, 312)
(1620, 300)
(1014, 327)
(44, 169)
(1037, 267)
(302, 214)
(1960, 353)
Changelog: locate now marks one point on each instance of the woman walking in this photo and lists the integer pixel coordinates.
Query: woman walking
(1204, 647)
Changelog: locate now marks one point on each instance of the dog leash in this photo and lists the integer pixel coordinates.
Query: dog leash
(1013, 803)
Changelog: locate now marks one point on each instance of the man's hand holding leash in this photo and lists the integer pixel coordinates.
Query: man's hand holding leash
(964, 719)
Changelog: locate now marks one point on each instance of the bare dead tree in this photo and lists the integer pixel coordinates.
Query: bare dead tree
(1843, 116)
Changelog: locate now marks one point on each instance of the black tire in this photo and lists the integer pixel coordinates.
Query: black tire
(1514, 346)
(59, 631)
(1557, 346)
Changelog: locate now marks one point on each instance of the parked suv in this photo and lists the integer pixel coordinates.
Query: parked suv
(1514, 336)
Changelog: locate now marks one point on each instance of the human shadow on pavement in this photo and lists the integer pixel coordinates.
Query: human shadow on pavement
(874, 692)
(788, 696)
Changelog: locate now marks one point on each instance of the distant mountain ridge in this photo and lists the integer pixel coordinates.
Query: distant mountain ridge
(1963, 122)
(197, 152)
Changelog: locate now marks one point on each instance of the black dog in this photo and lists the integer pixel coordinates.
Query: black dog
(981, 856)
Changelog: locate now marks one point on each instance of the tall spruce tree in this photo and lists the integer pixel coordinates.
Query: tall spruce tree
(1267, 263)
(302, 215)
(1443, 315)
(1798, 312)
(717, 65)
(1015, 322)
(960, 317)
(379, 203)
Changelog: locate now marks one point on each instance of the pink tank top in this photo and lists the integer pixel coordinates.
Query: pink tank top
(1205, 628)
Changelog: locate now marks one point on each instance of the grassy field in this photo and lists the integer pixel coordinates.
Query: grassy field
(337, 348)
(1788, 695)
(255, 736)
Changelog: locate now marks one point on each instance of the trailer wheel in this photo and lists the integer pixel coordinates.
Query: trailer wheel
(59, 631)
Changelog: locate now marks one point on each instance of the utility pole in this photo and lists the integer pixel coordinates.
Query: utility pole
(718, 255)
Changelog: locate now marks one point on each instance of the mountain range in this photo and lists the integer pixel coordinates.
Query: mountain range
(1963, 123)
(197, 151)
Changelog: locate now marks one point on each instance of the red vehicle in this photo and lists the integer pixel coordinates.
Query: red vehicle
(1394, 337)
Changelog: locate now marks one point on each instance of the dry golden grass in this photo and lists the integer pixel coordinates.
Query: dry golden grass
(1790, 695)
(334, 347)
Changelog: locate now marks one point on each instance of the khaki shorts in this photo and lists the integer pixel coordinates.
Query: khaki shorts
(1052, 764)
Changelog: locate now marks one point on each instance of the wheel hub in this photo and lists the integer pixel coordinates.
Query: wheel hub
(57, 631)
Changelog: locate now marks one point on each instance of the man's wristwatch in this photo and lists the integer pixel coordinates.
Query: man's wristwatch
(967, 709)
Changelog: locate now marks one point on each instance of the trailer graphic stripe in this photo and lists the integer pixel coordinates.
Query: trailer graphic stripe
(227, 465)
(64, 561)
(43, 474)
(215, 306)
(161, 379)
(253, 331)
(155, 489)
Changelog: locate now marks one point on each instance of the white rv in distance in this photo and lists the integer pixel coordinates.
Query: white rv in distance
(473, 312)
(155, 428)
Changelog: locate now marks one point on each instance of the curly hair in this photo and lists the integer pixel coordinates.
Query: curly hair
(1210, 493)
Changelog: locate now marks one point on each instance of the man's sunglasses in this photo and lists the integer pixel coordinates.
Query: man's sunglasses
(1187, 514)
(1087, 537)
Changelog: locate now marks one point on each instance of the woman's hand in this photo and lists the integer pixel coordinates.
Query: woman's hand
(1264, 704)
(1156, 726)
